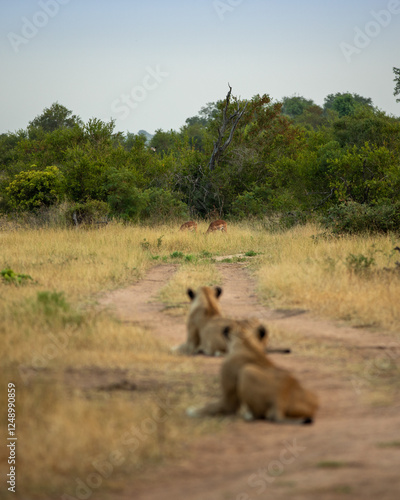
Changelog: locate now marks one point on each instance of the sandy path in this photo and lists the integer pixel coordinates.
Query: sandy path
(340, 455)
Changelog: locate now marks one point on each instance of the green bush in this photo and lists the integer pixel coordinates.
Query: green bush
(164, 205)
(87, 213)
(125, 199)
(252, 203)
(34, 189)
(352, 218)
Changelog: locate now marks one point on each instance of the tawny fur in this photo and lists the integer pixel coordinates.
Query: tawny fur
(252, 383)
(189, 226)
(213, 342)
(217, 225)
(204, 307)
(205, 324)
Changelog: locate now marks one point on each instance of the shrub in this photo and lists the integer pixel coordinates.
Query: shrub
(251, 203)
(164, 205)
(125, 199)
(352, 218)
(87, 213)
(34, 189)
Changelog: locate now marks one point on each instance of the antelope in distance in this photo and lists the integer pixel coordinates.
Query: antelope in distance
(217, 225)
(189, 226)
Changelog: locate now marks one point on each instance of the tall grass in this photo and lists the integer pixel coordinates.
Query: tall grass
(349, 278)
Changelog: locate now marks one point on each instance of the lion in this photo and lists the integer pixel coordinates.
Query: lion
(204, 307)
(251, 383)
(206, 324)
(213, 342)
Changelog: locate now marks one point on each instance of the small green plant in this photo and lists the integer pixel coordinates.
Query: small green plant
(159, 241)
(56, 310)
(250, 253)
(145, 244)
(205, 254)
(359, 264)
(9, 276)
(190, 258)
(52, 302)
(176, 255)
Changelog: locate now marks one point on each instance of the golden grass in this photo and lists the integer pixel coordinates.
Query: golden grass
(302, 270)
(49, 327)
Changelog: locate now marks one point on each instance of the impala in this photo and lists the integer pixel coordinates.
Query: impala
(189, 226)
(217, 225)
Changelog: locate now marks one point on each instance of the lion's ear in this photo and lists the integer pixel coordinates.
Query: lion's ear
(218, 291)
(226, 331)
(262, 332)
(191, 293)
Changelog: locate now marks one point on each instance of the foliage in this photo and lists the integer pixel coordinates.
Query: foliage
(359, 264)
(134, 204)
(396, 92)
(10, 277)
(252, 203)
(367, 125)
(87, 213)
(53, 118)
(287, 162)
(163, 205)
(34, 189)
(352, 218)
(296, 105)
(364, 175)
(346, 103)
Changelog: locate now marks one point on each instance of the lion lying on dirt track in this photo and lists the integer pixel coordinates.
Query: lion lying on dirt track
(206, 324)
(252, 384)
(204, 307)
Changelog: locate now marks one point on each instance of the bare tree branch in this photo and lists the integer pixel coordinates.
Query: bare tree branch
(232, 121)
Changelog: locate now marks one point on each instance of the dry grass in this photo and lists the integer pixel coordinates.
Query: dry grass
(52, 339)
(319, 274)
(48, 328)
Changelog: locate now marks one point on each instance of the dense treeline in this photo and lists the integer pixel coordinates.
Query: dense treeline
(288, 161)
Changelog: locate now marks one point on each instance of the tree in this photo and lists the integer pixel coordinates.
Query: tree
(368, 125)
(296, 105)
(396, 71)
(345, 103)
(57, 116)
(163, 142)
(228, 126)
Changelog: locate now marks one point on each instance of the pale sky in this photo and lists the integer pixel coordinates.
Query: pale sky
(152, 64)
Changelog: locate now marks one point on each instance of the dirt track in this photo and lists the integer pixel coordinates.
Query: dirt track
(353, 448)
